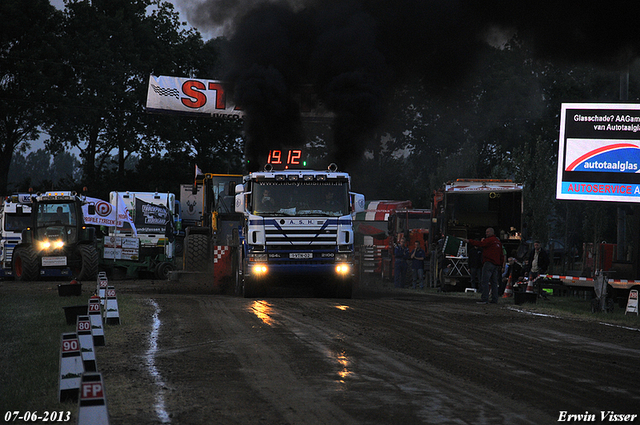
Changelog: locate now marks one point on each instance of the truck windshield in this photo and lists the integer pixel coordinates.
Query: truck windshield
(16, 222)
(300, 199)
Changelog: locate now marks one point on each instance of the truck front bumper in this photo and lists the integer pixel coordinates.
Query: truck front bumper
(267, 270)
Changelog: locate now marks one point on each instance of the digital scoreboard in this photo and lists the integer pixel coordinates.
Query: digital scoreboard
(283, 159)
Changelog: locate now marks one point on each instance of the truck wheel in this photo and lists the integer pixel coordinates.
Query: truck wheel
(85, 263)
(237, 273)
(196, 253)
(238, 284)
(26, 265)
(162, 270)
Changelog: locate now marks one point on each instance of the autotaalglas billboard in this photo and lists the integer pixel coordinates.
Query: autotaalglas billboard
(599, 156)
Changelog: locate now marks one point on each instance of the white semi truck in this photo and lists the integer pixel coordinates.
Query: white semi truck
(15, 216)
(297, 226)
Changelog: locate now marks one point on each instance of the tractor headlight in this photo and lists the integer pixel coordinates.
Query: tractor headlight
(49, 244)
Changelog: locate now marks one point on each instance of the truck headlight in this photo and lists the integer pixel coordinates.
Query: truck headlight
(259, 269)
(343, 268)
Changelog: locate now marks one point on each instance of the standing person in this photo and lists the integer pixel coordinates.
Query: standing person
(492, 261)
(417, 265)
(400, 253)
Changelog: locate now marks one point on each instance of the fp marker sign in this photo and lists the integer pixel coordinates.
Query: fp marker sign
(93, 403)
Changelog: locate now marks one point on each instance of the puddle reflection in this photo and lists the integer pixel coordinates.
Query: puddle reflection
(160, 408)
(263, 311)
(345, 362)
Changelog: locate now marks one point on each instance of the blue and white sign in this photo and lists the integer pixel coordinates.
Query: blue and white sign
(599, 152)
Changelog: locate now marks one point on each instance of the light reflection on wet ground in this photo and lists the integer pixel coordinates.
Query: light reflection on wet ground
(263, 311)
(150, 358)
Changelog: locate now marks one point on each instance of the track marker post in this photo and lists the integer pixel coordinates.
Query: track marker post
(95, 316)
(83, 329)
(632, 302)
(103, 283)
(71, 367)
(111, 313)
(92, 406)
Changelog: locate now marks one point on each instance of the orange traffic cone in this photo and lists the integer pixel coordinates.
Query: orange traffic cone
(529, 287)
(508, 290)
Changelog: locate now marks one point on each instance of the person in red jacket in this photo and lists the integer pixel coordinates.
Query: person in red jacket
(492, 262)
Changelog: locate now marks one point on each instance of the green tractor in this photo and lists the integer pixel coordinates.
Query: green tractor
(58, 243)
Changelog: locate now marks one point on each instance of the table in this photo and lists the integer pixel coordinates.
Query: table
(459, 265)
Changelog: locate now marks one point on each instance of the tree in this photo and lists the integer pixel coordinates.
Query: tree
(40, 172)
(111, 47)
(29, 67)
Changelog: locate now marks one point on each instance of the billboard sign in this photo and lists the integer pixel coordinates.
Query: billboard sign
(599, 152)
(212, 98)
(190, 96)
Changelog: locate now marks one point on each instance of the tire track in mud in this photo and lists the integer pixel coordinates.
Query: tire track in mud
(404, 388)
(551, 363)
(265, 355)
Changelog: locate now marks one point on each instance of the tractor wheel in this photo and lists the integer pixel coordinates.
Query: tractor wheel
(26, 265)
(196, 253)
(85, 263)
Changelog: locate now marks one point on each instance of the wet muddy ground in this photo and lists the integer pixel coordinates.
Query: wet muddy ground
(198, 357)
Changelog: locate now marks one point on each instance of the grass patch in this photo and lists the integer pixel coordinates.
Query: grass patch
(31, 326)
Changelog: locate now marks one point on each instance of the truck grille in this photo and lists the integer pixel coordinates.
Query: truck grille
(283, 243)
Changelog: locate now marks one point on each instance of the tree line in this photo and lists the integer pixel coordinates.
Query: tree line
(78, 77)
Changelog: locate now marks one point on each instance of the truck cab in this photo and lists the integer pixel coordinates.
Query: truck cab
(296, 223)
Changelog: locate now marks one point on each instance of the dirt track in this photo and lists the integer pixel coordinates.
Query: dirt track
(393, 358)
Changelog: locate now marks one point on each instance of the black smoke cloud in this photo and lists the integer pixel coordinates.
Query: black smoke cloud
(353, 51)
